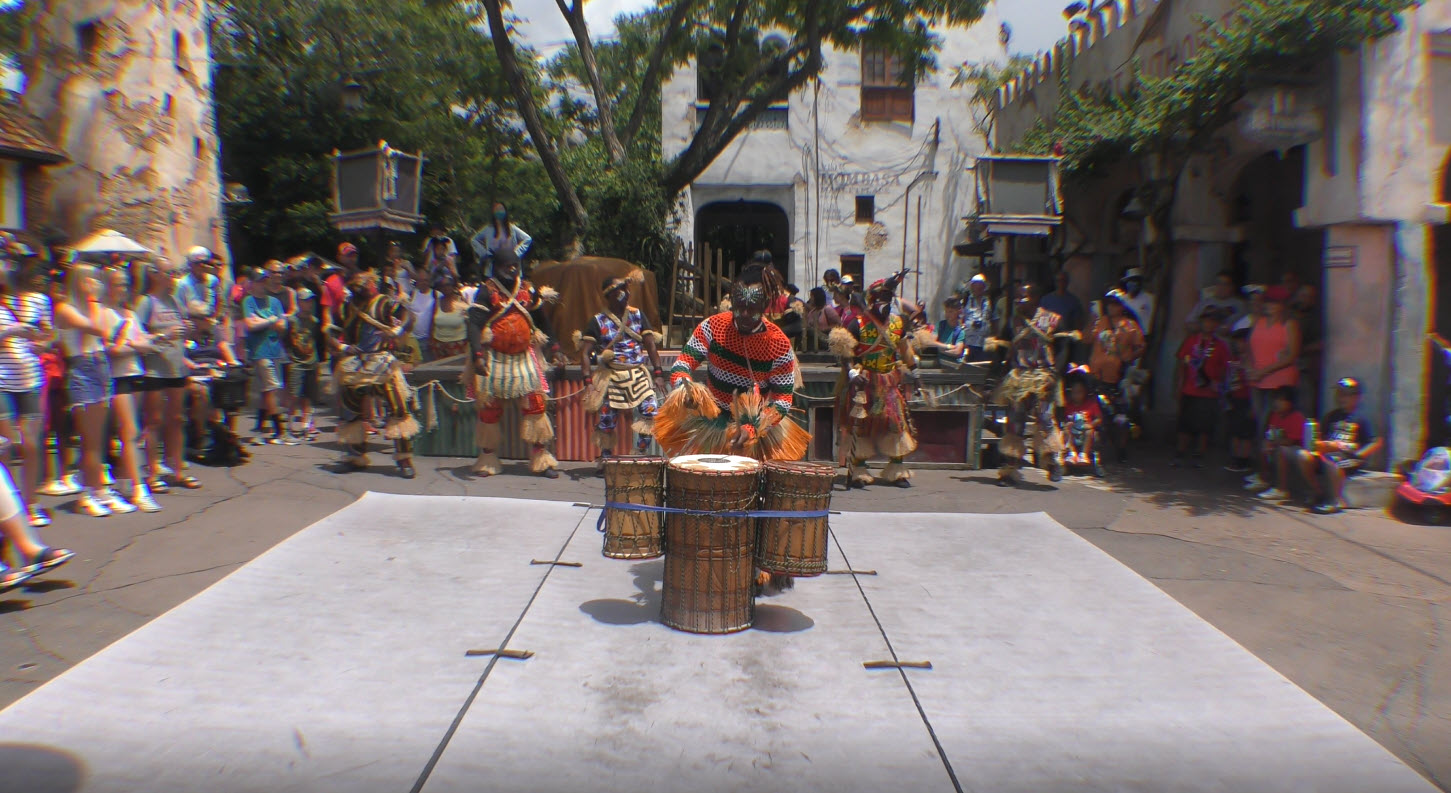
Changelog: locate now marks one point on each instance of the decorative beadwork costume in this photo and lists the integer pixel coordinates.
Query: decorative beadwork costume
(368, 369)
(873, 393)
(623, 381)
(1031, 389)
(507, 367)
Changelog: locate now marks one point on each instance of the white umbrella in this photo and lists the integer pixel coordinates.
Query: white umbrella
(108, 241)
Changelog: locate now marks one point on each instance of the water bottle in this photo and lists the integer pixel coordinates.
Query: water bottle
(1312, 434)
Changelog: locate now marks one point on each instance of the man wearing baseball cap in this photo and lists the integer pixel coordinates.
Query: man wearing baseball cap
(1346, 446)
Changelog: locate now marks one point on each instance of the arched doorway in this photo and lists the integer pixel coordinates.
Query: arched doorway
(1438, 407)
(738, 229)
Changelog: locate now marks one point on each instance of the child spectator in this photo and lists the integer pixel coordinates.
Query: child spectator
(1347, 443)
(264, 317)
(1239, 411)
(1084, 420)
(1284, 437)
(1203, 358)
(304, 338)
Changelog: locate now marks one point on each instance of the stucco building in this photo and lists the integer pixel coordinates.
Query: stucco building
(855, 172)
(1341, 180)
(123, 87)
(25, 152)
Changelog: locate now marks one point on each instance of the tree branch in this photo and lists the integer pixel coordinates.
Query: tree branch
(651, 81)
(574, 15)
(524, 103)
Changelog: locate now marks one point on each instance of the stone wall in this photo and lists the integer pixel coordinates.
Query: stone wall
(134, 113)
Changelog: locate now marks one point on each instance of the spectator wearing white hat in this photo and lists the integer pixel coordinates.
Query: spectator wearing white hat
(197, 291)
(979, 319)
(1139, 303)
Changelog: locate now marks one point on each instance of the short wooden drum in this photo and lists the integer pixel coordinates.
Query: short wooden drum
(634, 534)
(795, 546)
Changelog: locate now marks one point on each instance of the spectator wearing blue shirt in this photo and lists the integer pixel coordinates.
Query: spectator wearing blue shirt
(979, 319)
(265, 321)
(1066, 305)
(197, 291)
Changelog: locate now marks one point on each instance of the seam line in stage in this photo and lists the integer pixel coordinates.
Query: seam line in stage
(488, 668)
(922, 712)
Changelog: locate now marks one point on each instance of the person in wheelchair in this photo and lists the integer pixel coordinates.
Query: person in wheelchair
(1082, 423)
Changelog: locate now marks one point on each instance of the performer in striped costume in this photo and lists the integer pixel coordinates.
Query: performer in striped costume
(878, 364)
(629, 366)
(743, 408)
(506, 365)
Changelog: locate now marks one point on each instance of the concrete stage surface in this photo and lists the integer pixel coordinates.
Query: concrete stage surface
(336, 662)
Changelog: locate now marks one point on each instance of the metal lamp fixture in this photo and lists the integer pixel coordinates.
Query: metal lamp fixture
(352, 94)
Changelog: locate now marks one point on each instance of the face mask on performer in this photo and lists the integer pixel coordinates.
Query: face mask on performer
(506, 266)
(748, 308)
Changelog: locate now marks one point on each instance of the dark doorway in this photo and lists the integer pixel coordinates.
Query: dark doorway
(1438, 406)
(740, 228)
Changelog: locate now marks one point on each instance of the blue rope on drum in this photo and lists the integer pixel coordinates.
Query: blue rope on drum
(754, 513)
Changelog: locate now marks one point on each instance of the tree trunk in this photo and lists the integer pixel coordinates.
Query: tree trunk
(574, 14)
(524, 103)
(651, 82)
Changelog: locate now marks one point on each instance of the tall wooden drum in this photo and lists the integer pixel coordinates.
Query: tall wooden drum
(709, 575)
(795, 546)
(634, 480)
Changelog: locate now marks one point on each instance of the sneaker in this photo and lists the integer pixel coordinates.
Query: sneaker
(38, 517)
(1237, 467)
(144, 501)
(65, 486)
(1274, 494)
(291, 440)
(1325, 509)
(1255, 484)
(276, 440)
(115, 502)
(90, 505)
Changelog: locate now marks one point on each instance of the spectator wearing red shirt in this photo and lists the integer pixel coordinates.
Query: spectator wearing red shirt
(1284, 436)
(1083, 420)
(1203, 359)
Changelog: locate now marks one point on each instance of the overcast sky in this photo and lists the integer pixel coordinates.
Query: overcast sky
(1036, 24)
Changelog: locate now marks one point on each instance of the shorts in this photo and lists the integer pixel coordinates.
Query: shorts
(149, 383)
(88, 380)
(23, 405)
(303, 382)
(1198, 415)
(1349, 465)
(269, 375)
(134, 384)
(1241, 420)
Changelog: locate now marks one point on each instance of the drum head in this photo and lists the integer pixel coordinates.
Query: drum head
(715, 463)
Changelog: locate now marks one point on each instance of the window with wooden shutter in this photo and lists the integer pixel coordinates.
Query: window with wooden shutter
(884, 96)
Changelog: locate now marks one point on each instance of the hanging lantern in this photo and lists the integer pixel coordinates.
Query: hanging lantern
(376, 188)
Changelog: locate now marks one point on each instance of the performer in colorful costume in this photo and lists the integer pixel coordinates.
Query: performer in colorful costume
(1032, 389)
(506, 365)
(744, 406)
(878, 364)
(629, 366)
(367, 369)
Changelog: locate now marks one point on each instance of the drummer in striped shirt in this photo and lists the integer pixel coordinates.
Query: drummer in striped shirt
(750, 384)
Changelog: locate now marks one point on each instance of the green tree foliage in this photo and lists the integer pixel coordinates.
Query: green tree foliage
(1264, 42)
(281, 67)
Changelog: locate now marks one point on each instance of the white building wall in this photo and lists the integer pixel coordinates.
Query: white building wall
(880, 159)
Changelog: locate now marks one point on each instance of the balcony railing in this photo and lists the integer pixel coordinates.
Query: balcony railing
(776, 116)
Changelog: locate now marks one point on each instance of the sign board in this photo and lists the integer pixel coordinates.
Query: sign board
(1018, 195)
(377, 189)
(1340, 256)
(1283, 117)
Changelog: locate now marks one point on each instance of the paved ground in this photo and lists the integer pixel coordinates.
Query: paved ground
(1350, 607)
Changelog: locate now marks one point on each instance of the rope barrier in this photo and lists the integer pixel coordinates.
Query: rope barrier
(722, 513)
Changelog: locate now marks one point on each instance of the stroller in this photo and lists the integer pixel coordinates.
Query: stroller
(1077, 431)
(1427, 486)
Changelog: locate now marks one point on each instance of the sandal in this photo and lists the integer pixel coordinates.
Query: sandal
(10, 579)
(48, 559)
(158, 485)
(188, 482)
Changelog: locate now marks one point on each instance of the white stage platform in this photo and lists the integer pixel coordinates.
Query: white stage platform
(336, 662)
